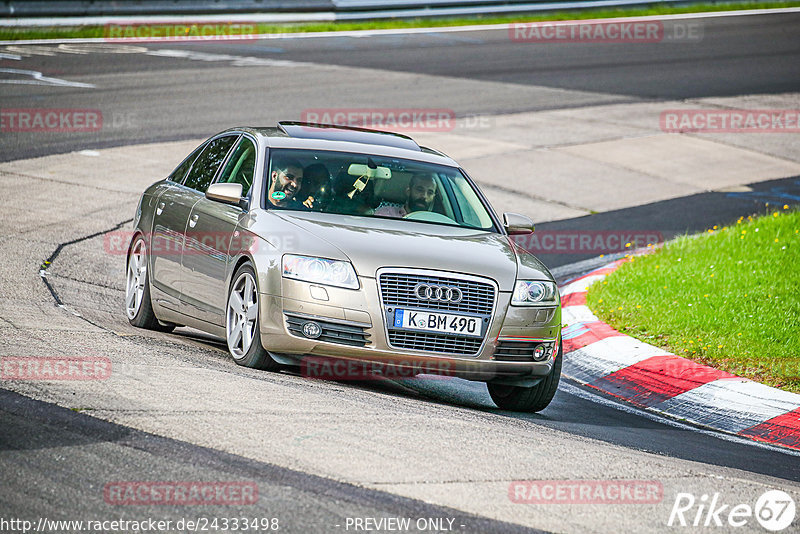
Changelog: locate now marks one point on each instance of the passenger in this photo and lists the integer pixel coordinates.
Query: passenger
(285, 182)
(420, 196)
(316, 186)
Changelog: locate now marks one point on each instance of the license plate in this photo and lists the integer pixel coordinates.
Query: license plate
(443, 323)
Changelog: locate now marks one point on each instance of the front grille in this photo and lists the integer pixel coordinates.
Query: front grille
(515, 351)
(332, 332)
(445, 343)
(397, 289)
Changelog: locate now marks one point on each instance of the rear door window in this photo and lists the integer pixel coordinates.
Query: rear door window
(179, 173)
(206, 165)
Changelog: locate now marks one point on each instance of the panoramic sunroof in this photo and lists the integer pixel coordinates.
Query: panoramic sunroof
(304, 130)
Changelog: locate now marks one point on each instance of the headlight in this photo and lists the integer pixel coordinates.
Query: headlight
(320, 271)
(527, 293)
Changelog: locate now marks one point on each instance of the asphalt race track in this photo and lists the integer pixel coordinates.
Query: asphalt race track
(179, 95)
(178, 409)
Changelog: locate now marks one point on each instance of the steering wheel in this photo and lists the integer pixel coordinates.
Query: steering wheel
(429, 216)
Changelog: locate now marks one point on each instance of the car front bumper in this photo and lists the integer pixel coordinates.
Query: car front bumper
(354, 328)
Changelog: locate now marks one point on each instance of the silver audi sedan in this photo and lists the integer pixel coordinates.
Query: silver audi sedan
(347, 252)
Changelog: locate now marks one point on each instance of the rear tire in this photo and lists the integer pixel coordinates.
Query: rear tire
(243, 322)
(138, 307)
(528, 399)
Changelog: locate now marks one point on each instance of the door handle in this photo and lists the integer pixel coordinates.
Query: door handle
(193, 220)
(160, 208)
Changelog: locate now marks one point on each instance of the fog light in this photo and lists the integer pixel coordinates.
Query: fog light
(539, 352)
(311, 330)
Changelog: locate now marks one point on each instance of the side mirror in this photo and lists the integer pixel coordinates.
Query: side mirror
(225, 193)
(516, 224)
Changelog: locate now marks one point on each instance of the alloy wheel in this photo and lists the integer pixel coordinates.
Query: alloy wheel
(135, 279)
(242, 315)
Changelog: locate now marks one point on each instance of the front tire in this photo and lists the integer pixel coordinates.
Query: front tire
(528, 399)
(138, 307)
(242, 322)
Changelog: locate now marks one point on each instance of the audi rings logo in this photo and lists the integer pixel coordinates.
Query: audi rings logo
(438, 293)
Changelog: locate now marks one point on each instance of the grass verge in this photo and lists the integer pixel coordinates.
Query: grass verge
(98, 31)
(728, 298)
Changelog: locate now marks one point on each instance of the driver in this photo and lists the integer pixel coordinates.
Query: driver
(420, 195)
(286, 179)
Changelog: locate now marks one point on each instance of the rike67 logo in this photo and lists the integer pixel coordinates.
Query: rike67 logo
(774, 510)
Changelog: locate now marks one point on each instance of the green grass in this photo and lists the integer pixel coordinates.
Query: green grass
(654, 9)
(729, 298)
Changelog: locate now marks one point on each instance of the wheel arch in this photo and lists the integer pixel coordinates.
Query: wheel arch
(266, 262)
(136, 233)
(241, 260)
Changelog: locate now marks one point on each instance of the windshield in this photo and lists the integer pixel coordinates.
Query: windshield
(373, 186)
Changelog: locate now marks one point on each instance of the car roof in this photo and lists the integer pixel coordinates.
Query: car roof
(300, 135)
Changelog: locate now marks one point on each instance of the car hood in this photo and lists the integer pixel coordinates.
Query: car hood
(373, 243)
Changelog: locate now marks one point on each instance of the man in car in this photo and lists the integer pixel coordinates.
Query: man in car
(285, 182)
(316, 186)
(420, 196)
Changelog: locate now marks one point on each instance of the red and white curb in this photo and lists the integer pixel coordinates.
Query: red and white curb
(602, 358)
